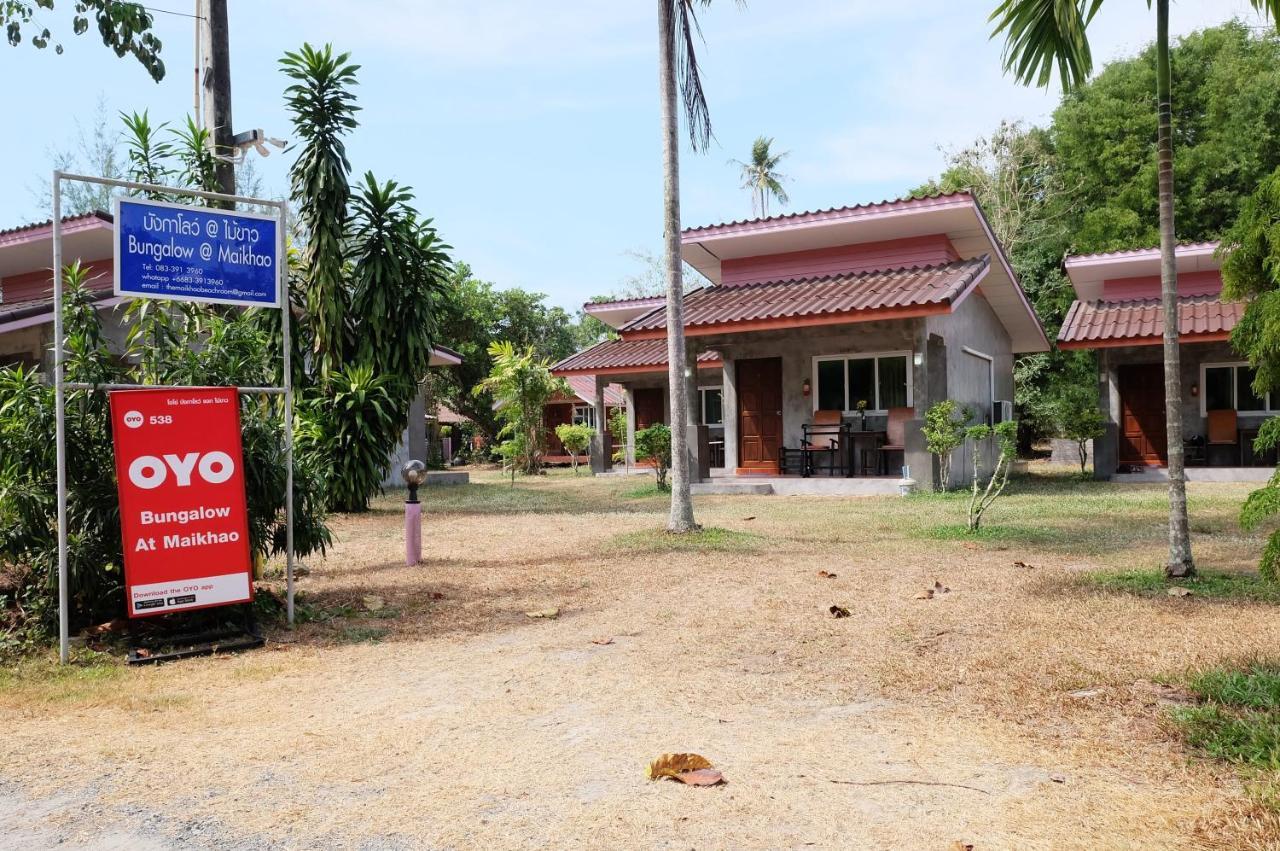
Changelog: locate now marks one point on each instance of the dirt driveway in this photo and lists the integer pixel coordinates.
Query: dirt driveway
(1017, 710)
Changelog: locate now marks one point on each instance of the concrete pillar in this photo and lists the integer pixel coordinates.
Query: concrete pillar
(416, 431)
(1106, 449)
(630, 393)
(696, 432)
(729, 407)
(929, 385)
(600, 460)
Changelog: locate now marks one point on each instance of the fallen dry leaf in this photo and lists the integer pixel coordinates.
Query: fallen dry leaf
(436, 595)
(544, 613)
(970, 545)
(1084, 693)
(700, 777)
(671, 764)
(838, 612)
(826, 574)
(939, 588)
(961, 846)
(1058, 778)
(925, 595)
(752, 517)
(606, 640)
(1178, 591)
(1024, 565)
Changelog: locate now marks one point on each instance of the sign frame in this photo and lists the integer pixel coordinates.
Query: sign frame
(187, 208)
(61, 385)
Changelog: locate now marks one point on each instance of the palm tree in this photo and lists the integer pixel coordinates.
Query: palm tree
(678, 69)
(1042, 34)
(760, 176)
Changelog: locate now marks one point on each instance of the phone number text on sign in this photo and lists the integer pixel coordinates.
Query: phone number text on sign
(183, 515)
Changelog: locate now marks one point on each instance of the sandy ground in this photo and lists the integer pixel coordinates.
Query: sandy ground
(451, 720)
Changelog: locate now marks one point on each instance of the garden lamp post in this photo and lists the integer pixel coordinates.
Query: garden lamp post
(414, 473)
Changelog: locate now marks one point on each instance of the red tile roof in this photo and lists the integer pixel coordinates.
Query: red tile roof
(863, 295)
(1140, 322)
(583, 387)
(625, 356)
(891, 205)
(66, 220)
(1140, 252)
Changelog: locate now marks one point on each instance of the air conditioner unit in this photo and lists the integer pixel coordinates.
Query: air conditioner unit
(1002, 410)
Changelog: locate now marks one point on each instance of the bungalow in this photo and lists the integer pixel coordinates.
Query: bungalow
(1118, 314)
(825, 336)
(576, 407)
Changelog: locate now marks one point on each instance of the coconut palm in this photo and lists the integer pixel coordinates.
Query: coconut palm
(678, 31)
(760, 176)
(1041, 35)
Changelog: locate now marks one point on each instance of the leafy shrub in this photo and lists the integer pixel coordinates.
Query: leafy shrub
(1006, 435)
(654, 444)
(1077, 417)
(944, 430)
(521, 383)
(576, 440)
(235, 351)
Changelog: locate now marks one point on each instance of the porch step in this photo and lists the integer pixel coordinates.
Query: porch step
(731, 488)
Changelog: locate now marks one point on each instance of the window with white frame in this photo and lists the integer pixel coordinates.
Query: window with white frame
(712, 405)
(881, 381)
(1229, 387)
(584, 415)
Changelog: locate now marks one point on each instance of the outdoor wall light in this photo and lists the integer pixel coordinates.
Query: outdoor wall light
(917, 358)
(806, 388)
(1195, 390)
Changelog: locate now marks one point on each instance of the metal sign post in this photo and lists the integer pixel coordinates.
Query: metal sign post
(61, 385)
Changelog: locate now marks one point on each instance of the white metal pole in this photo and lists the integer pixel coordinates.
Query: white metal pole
(60, 411)
(282, 266)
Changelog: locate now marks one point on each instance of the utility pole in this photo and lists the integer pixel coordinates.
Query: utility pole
(216, 52)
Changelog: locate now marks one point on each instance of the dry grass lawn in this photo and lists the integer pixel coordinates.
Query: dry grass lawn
(449, 719)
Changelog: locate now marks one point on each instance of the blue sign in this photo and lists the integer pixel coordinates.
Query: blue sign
(188, 253)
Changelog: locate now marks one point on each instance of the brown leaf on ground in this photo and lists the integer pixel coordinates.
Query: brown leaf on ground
(605, 640)
(671, 764)
(700, 777)
(961, 846)
(1024, 565)
(549, 614)
(1178, 591)
(436, 595)
(1058, 778)
(927, 594)
(752, 517)
(970, 545)
(939, 588)
(826, 574)
(838, 611)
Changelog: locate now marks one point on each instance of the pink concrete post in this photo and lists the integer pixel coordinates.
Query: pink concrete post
(414, 473)
(412, 533)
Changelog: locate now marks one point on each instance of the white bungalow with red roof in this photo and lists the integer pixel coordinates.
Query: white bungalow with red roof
(1118, 313)
(825, 336)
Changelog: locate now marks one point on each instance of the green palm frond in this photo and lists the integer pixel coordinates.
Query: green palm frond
(760, 175)
(1043, 34)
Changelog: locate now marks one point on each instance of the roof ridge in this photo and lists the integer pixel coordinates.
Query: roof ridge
(1158, 301)
(1121, 252)
(931, 196)
(831, 276)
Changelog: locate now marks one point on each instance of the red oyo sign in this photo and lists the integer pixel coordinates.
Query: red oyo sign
(183, 515)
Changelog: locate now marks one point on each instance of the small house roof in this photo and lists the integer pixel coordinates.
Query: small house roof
(1140, 322)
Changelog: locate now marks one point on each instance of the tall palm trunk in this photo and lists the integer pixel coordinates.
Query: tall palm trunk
(1180, 561)
(681, 518)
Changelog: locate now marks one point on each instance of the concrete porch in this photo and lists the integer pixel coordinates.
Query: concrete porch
(724, 482)
(1199, 474)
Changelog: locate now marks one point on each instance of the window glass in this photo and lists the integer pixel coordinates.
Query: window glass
(1246, 400)
(584, 415)
(862, 383)
(711, 406)
(893, 382)
(1217, 388)
(831, 385)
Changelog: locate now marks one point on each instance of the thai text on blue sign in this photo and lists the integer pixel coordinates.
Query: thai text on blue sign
(189, 253)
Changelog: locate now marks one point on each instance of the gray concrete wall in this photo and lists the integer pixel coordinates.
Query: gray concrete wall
(974, 326)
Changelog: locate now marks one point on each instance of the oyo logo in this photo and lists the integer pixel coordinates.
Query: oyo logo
(133, 419)
(148, 471)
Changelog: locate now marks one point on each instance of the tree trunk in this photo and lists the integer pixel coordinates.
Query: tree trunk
(217, 94)
(1180, 562)
(681, 518)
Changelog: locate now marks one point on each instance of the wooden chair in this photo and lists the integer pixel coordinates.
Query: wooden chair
(1223, 429)
(895, 436)
(823, 435)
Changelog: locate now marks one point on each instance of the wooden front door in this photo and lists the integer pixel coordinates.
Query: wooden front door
(759, 414)
(649, 407)
(1142, 423)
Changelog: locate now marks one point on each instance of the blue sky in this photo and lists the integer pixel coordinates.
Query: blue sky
(529, 130)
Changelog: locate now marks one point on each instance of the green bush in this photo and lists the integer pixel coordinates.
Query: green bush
(944, 428)
(576, 440)
(235, 351)
(654, 444)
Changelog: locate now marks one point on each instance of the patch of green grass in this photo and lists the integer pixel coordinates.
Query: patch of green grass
(1206, 583)
(1006, 533)
(646, 491)
(44, 678)
(1254, 687)
(709, 539)
(1238, 718)
(361, 634)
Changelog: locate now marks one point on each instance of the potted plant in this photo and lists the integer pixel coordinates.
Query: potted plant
(862, 414)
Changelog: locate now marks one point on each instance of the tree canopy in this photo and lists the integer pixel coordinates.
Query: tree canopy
(123, 27)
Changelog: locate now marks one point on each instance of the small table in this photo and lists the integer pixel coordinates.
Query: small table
(717, 452)
(875, 438)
